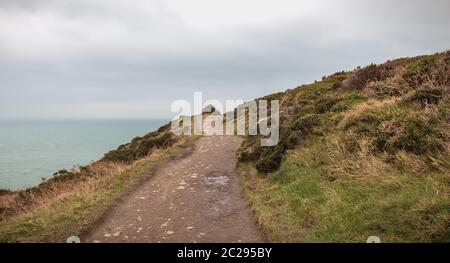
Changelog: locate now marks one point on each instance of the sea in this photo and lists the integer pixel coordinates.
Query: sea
(32, 150)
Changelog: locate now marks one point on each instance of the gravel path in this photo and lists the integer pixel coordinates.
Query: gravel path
(194, 199)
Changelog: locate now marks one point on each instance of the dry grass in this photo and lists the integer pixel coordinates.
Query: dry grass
(325, 195)
(360, 162)
(81, 187)
(348, 117)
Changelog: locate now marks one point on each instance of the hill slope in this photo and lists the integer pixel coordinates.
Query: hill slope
(361, 153)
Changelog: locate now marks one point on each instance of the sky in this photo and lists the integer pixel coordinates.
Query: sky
(133, 58)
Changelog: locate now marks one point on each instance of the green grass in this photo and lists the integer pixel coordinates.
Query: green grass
(299, 203)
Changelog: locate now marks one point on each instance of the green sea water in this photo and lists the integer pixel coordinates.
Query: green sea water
(31, 150)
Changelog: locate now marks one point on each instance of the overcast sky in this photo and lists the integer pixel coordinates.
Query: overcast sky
(122, 59)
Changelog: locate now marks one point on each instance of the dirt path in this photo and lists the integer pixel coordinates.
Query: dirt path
(194, 199)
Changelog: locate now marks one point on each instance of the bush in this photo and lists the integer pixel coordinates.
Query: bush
(326, 103)
(123, 155)
(337, 102)
(366, 122)
(270, 161)
(417, 72)
(425, 96)
(395, 129)
(305, 124)
(63, 175)
(419, 136)
(358, 79)
(140, 147)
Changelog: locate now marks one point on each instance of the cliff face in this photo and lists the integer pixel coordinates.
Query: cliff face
(361, 152)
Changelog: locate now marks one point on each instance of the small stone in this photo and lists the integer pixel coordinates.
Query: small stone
(189, 228)
(180, 187)
(170, 232)
(107, 235)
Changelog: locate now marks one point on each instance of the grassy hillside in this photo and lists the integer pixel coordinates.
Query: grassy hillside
(361, 153)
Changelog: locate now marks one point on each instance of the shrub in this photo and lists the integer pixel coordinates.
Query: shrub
(418, 136)
(425, 96)
(358, 79)
(165, 127)
(366, 122)
(270, 161)
(325, 103)
(63, 175)
(347, 101)
(140, 147)
(417, 72)
(123, 155)
(305, 124)
(394, 129)
(390, 87)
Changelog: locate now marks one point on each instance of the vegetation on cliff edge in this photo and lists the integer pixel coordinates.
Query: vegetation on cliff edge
(361, 153)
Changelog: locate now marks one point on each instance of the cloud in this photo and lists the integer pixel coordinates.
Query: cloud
(115, 53)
